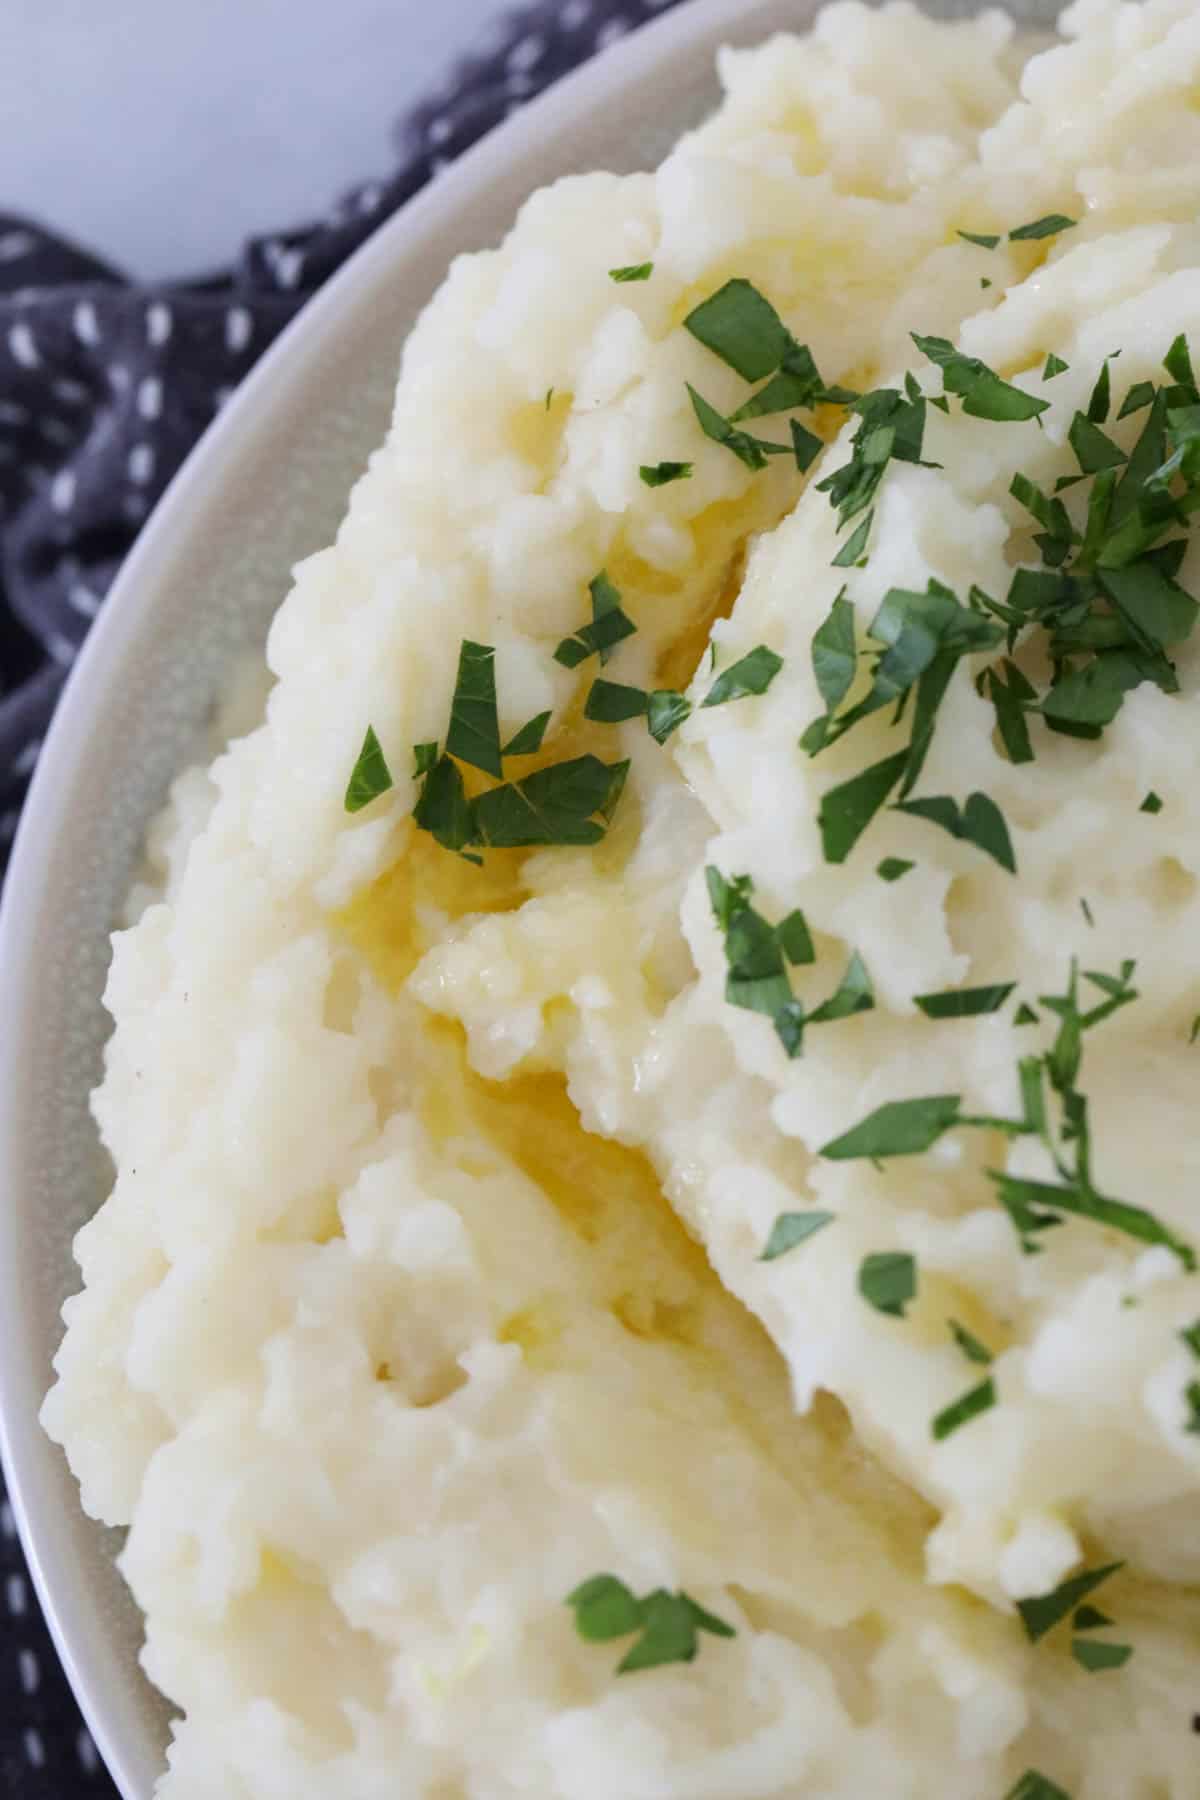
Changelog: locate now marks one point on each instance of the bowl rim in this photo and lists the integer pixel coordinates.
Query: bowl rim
(26, 1453)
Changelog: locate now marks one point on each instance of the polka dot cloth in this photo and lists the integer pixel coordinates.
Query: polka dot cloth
(104, 387)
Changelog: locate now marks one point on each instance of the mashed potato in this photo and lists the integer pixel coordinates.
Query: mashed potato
(432, 1282)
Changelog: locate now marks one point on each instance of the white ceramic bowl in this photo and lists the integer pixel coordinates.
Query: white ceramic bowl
(267, 486)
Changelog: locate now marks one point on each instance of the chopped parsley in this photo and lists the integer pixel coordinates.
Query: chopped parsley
(609, 625)
(1049, 226)
(569, 803)
(806, 446)
(1152, 803)
(897, 1128)
(1090, 1618)
(529, 739)
(984, 394)
(965, 1003)
(669, 1624)
(748, 449)
(1042, 1612)
(891, 427)
(893, 867)
(474, 732)
(1055, 366)
(370, 776)
(757, 955)
(979, 822)
(969, 1344)
(565, 803)
(986, 240)
(1035, 1786)
(665, 712)
(611, 701)
(850, 556)
(1095, 1654)
(751, 674)
(740, 325)
(960, 1412)
(659, 474)
(887, 1280)
(791, 1229)
(632, 272)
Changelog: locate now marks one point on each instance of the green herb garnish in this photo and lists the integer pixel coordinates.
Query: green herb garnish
(529, 738)
(659, 474)
(750, 450)
(1093, 1654)
(1152, 803)
(965, 1003)
(1042, 1612)
(609, 625)
(1090, 1618)
(968, 1406)
(986, 240)
(806, 446)
(1054, 366)
(887, 1280)
(969, 1344)
(791, 1229)
(370, 776)
(669, 1624)
(897, 1128)
(1025, 1015)
(565, 803)
(665, 712)
(632, 272)
(610, 702)
(1034, 1786)
(979, 822)
(1049, 226)
(984, 394)
(474, 731)
(893, 867)
(751, 674)
(424, 757)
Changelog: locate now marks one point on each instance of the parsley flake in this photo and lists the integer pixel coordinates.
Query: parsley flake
(610, 702)
(370, 775)
(474, 732)
(1035, 1786)
(979, 822)
(897, 1128)
(609, 625)
(1152, 803)
(887, 1280)
(969, 1344)
(1025, 1015)
(529, 738)
(791, 1229)
(665, 712)
(984, 394)
(893, 867)
(748, 449)
(605, 1608)
(751, 674)
(1049, 226)
(1040, 1613)
(1090, 1618)
(1054, 366)
(986, 240)
(965, 1003)
(657, 475)
(566, 803)
(960, 1412)
(632, 272)
(1093, 1654)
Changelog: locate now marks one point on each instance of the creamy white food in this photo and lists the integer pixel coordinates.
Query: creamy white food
(431, 1284)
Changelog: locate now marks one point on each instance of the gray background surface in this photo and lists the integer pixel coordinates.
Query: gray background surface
(162, 132)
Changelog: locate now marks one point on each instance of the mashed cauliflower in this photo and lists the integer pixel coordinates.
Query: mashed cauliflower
(432, 1281)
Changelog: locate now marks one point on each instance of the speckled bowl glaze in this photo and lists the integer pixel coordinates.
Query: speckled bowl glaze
(266, 486)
